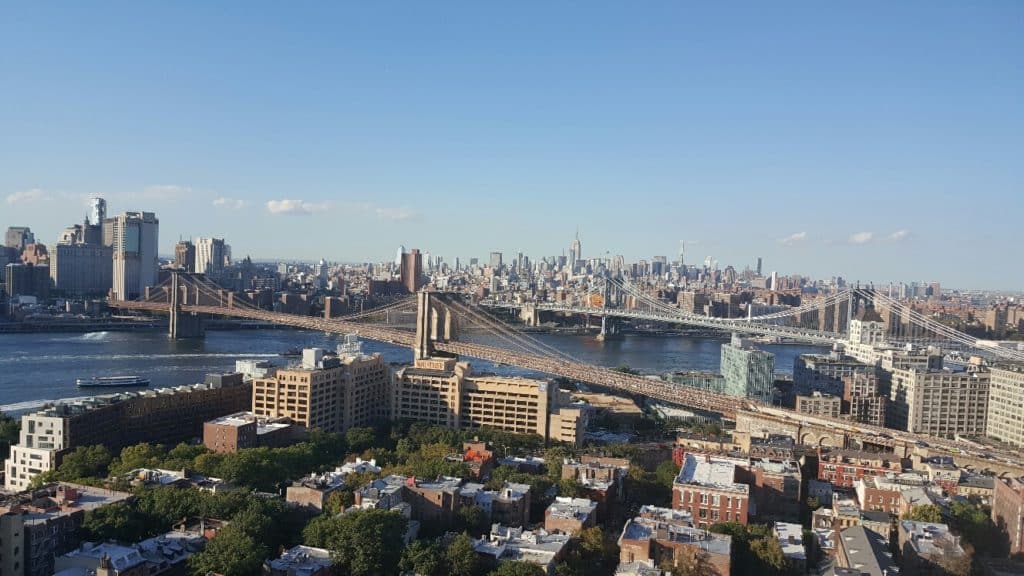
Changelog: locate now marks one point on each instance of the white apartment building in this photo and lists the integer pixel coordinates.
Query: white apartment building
(1005, 419)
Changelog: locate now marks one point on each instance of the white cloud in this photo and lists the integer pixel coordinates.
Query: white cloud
(794, 238)
(898, 235)
(165, 192)
(230, 203)
(26, 196)
(861, 238)
(296, 207)
(398, 214)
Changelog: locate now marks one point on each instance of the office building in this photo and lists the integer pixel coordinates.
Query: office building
(412, 270)
(81, 265)
(1005, 419)
(185, 256)
(444, 391)
(819, 404)
(1008, 513)
(18, 237)
(211, 257)
(326, 391)
(495, 261)
(158, 416)
(708, 488)
(823, 373)
(27, 280)
(134, 237)
(748, 372)
(939, 402)
(866, 397)
(663, 537)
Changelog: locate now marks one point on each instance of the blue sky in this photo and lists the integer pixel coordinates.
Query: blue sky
(875, 140)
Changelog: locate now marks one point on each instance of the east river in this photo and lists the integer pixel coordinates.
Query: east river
(45, 365)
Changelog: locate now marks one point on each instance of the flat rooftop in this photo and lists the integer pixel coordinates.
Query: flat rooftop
(712, 472)
(646, 529)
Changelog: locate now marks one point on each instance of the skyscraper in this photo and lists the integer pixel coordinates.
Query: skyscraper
(97, 211)
(211, 255)
(748, 372)
(412, 270)
(758, 265)
(185, 256)
(575, 251)
(495, 260)
(18, 237)
(134, 237)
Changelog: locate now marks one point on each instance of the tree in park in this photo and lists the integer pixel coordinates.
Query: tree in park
(517, 569)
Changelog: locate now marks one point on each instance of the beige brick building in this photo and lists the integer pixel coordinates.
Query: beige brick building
(444, 391)
(819, 404)
(939, 402)
(1005, 421)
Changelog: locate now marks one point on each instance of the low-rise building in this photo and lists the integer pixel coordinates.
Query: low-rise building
(661, 536)
(843, 467)
(707, 487)
(234, 432)
(509, 506)
(570, 515)
(163, 555)
(929, 548)
(537, 547)
(776, 488)
(49, 522)
(603, 479)
(313, 491)
(301, 561)
(791, 538)
(819, 404)
(865, 552)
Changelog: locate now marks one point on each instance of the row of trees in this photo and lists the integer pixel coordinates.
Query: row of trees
(10, 428)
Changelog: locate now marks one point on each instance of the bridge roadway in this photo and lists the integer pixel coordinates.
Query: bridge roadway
(724, 324)
(727, 406)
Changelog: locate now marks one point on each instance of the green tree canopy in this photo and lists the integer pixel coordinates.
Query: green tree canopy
(362, 543)
(927, 513)
(518, 569)
(232, 552)
(462, 560)
(424, 559)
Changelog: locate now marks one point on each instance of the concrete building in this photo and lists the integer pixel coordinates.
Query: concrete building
(570, 515)
(819, 404)
(27, 280)
(866, 397)
(445, 392)
(823, 373)
(18, 237)
(516, 544)
(748, 372)
(329, 392)
(159, 416)
(134, 237)
(660, 537)
(411, 270)
(708, 488)
(1005, 418)
(1008, 513)
(49, 522)
(929, 549)
(211, 257)
(80, 264)
(939, 402)
(185, 256)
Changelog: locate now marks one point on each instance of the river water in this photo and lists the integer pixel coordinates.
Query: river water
(45, 365)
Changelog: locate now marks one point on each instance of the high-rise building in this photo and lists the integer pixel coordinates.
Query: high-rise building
(18, 237)
(185, 256)
(27, 280)
(412, 270)
(80, 263)
(748, 372)
(1005, 420)
(496, 260)
(575, 251)
(134, 237)
(758, 265)
(329, 392)
(866, 396)
(211, 257)
(97, 211)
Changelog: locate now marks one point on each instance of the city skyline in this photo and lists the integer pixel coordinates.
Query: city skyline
(826, 142)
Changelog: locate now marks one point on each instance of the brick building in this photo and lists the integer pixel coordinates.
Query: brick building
(1008, 512)
(661, 536)
(843, 467)
(708, 488)
(570, 515)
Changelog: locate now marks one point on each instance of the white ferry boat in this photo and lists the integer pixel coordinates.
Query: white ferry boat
(112, 382)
